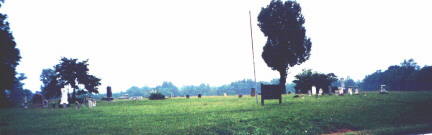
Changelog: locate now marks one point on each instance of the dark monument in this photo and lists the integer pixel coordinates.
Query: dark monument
(240, 96)
(253, 92)
(38, 100)
(199, 95)
(271, 92)
(109, 94)
(187, 96)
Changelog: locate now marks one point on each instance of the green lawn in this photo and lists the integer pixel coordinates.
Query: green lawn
(396, 113)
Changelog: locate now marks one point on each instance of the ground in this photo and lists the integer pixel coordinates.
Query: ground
(395, 113)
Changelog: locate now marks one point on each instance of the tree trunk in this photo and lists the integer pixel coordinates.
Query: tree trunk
(282, 80)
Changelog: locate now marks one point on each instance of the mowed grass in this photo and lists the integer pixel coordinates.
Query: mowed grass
(396, 113)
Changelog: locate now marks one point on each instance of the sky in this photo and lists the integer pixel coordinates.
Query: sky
(189, 42)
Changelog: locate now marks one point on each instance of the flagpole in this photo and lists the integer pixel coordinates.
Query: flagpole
(253, 57)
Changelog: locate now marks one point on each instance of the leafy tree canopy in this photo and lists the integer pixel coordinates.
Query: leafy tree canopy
(287, 44)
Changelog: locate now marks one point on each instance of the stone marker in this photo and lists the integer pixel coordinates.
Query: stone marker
(364, 93)
(320, 91)
(350, 90)
(289, 92)
(314, 92)
(199, 95)
(383, 90)
(309, 92)
(330, 91)
(240, 96)
(187, 96)
(77, 106)
(45, 104)
(253, 92)
(53, 106)
(356, 91)
(225, 94)
(25, 102)
(64, 96)
(296, 96)
(91, 103)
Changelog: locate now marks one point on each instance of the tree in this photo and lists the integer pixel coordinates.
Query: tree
(305, 80)
(46, 77)
(17, 93)
(71, 72)
(287, 44)
(407, 76)
(168, 88)
(9, 58)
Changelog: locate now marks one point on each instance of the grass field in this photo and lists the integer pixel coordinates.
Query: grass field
(396, 113)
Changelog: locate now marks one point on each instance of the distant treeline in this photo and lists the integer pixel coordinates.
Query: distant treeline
(241, 87)
(407, 76)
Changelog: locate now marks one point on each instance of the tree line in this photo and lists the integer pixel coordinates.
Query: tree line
(241, 87)
(408, 76)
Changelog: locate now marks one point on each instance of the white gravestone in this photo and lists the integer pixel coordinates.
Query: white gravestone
(320, 91)
(356, 91)
(314, 90)
(350, 90)
(225, 94)
(309, 93)
(64, 97)
(341, 90)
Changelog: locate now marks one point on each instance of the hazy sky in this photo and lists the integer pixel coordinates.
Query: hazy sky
(188, 42)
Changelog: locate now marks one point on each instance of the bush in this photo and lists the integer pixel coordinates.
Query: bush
(157, 95)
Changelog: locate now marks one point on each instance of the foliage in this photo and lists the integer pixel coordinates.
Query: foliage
(305, 80)
(70, 72)
(156, 95)
(349, 82)
(17, 93)
(371, 114)
(406, 76)
(287, 44)
(203, 89)
(168, 88)
(9, 58)
(135, 91)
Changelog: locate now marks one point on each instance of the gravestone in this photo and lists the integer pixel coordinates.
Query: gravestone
(77, 106)
(356, 91)
(330, 91)
(45, 103)
(64, 96)
(271, 92)
(253, 92)
(187, 96)
(109, 94)
(296, 96)
(314, 92)
(289, 92)
(320, 91)
(199, 95)
(364, 93)
(225, 94)
(240, 96)
(340, 91)
(25, 102)
(91, 103)
(310, 92)
(53, 106)
(350, 90)
(383, 90)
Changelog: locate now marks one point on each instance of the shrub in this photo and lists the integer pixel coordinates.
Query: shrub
(157, 95)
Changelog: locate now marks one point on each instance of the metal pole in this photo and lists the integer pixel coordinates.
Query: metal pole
(253, 57)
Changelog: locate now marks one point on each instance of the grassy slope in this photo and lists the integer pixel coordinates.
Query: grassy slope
(398, 112)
